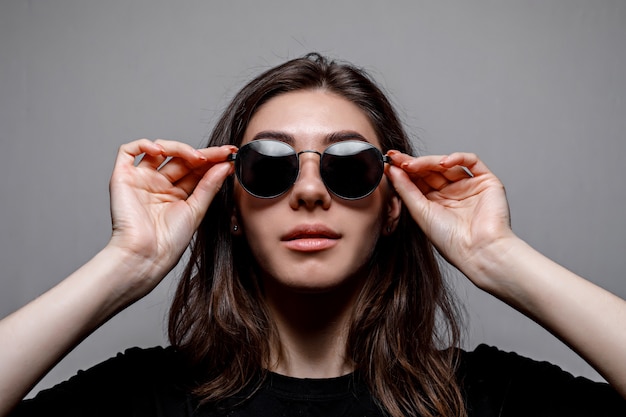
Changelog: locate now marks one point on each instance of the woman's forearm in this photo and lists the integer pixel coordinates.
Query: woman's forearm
(591, 320)
(37, 336)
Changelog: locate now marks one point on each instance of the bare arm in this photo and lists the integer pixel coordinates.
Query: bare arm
(41, 333)
(155, 213)
(467, 218)
(591, 320)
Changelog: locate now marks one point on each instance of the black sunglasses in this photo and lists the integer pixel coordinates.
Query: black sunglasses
(351, 169)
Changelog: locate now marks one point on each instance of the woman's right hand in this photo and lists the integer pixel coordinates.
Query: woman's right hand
(156, 208)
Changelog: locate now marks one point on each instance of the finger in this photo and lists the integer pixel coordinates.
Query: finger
(439, 170)
(151, 161)
(436, 163)
(411, 195)
(435, 181)
(457, 173)
(207, 188)
(425, 172)
(191, 178)
(177, 168)
(189, 182)
(403, 184)
(423, 165)
(415, 164)
(468, 160)
(422, 185)
(175, 149)
(128, 153)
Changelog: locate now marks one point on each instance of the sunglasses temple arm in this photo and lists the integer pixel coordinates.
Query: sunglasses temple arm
(386, 159)
(231, 157)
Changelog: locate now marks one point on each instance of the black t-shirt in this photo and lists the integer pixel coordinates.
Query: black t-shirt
(152, 382)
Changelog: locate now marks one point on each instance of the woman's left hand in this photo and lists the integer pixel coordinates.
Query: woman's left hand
(467, 218)
(461, 213)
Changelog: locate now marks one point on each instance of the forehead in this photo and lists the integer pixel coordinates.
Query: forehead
(311, 119)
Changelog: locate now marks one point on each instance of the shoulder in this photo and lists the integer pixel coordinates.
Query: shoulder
(167, 358)
(146, 365)
(129, 383)
(488, 360)
(508, 382)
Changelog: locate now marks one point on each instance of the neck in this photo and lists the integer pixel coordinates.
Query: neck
(313, 329)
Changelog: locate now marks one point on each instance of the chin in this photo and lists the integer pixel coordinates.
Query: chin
(314, 288)
(312, 283)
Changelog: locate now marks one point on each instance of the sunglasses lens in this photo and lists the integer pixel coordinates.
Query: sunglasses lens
(352, 169)
(266, 168)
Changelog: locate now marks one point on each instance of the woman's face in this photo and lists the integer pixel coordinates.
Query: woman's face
(309, 239)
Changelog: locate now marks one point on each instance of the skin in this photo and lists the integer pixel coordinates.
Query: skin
(300, 275)
(481, 244)
(156, 211)
(309, 119)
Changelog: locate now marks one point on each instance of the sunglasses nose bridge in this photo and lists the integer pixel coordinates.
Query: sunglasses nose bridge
(310, 151)
(309, 171)
(301, 161)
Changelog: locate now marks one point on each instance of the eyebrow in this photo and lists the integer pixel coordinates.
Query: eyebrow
(331, 138)
(276, 135)
(344, 135)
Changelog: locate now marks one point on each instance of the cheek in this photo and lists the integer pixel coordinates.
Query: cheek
(361, 221)
(365, 226)
(257, 236)
(370, 232)
(258, 243)
(256, 220)
(250, 210)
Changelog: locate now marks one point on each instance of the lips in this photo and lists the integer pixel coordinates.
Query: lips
(310, 238)
(310, 232)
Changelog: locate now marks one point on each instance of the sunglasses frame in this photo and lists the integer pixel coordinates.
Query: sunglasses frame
(383, 159)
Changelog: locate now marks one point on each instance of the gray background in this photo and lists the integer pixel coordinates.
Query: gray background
(536, 88)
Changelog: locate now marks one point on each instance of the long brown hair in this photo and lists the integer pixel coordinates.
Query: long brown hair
(403, 319)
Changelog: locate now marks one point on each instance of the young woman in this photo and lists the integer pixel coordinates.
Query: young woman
(312, 286)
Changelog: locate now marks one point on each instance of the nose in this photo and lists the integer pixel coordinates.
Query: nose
(309, 190)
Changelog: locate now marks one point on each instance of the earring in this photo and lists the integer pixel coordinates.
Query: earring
(235, 228)
(388, 229)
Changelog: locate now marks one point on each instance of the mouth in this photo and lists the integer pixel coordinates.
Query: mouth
(310, 232)
(310, 238)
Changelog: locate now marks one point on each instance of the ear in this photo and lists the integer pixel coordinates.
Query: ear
(235, 224)
(394, 207)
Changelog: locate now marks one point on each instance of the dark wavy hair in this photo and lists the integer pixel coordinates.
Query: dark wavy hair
(403, 320)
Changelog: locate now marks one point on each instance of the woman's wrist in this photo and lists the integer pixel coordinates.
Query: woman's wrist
(491, 267)
(129, 276)
(63, 316)
(514, 272)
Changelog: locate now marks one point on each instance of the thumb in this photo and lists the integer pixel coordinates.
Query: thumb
(207, 188)
(418, 205)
